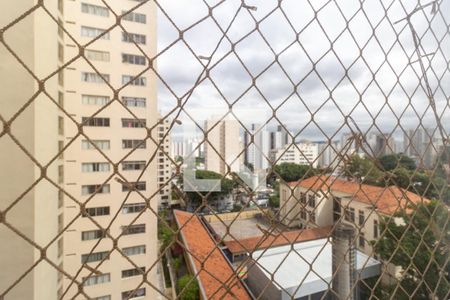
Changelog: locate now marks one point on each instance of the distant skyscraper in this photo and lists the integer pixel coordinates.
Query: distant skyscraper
(278, 138)
(418, 144)
(328, 152)
(223, 146)
(257, 152)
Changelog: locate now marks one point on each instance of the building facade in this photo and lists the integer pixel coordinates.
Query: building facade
(29, 198)
(114, 132)
(222, 149)
(164, 164)
(304, 153)
(256, 143)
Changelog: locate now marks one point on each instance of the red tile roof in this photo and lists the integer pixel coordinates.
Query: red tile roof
(216, 277)
(386, 199)
(288, 237)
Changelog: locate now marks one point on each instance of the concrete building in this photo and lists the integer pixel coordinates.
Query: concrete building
(420, 144)
(121, 136)
(222, 150)
(256, 143)
(164, 164)
(279, 138)
(379, 144)
(39, 130)
(305, 153)
(328, 154)
(324, 200)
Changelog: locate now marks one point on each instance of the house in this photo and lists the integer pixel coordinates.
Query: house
(322, 200)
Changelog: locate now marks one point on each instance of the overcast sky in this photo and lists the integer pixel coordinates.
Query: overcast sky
(303, 81)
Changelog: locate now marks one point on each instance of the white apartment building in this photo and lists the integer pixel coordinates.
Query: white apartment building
(29, 203)
(222, 149)
(304, 153)
(164, 164)
(122, 138)
(328, 154)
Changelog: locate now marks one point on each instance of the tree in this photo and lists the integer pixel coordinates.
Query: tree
(293, 172)
(274, 200)
(363, 169)
(393, 161)
(192, 290)
(226, 186)
(421, 249)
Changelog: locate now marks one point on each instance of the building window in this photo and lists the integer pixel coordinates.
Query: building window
(96, 256)
(92, 235)
(107, 297)
(133, 165)
(95, 167)
(140, 186)
(89, 145)
(375, 228)
(133, 59)
(96, 279)
(60, 149)
(60, 174)
(133, 208)
(133, 272)
(60, 125)
(361, 218)
(135, 250)
(97, 122)
(60, 247)
(61, 6)
(61, 99)
(349, 214)
(61, 77)
(94, 10)
(134, 101)
(94, 77)
(133, 123)
(312, 200)
(134, 17)
(133, 37)
(303, 198)
(93, 32)
(60, 198)
(97, 211)
(139, 81)
(303, 215)
(96, 55)
(133, 229)
(312, 216)
(95, 188)
(60, 52)
(133, 294)
(128, 144)
(362, 240)
(94, 100)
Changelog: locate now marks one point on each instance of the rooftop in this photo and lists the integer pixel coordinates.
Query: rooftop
(217, 279)
(287, 237)
(387, 200)
(302, 266)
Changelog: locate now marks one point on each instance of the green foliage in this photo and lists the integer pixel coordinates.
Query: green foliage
(236, 208)
(421, 250)
(226, 186)
(192, 290)
(176, 263)
(394, 161)
(364, 170)
(274, 201)
(293, 172)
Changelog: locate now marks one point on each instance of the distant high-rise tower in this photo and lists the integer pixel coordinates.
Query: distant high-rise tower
(257, 152)
(223, 147)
